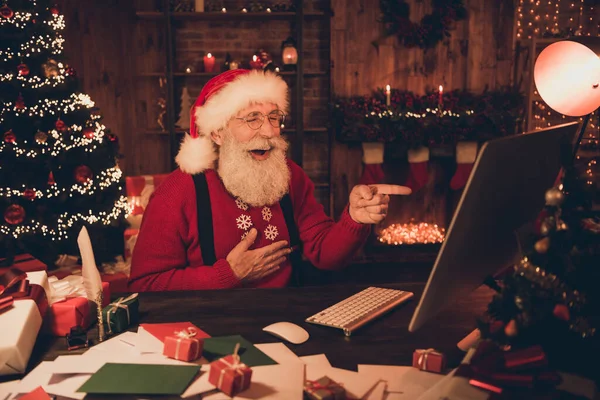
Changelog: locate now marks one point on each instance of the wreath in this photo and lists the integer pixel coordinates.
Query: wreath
(432, 29)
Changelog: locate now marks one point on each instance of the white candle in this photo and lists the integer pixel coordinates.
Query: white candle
(388, 94)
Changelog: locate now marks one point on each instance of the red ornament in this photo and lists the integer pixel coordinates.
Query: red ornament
(10, 137)
(83, 174)
(29, 194)
(112, 137)
(60, 125)
(14, 214)
(70, 71)
(23, 69)
(54, 10)
(51, 180)
(20, 103)
(562, 312)
(6, 12)
(88, 133)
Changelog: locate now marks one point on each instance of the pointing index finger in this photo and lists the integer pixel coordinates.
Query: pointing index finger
(390, 189)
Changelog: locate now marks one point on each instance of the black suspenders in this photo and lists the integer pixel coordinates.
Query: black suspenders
(206, 235)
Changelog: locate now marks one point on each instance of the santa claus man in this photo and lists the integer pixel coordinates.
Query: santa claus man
(230, 215)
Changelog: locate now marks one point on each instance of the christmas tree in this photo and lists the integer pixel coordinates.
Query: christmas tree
(58, 162)
(550, 298)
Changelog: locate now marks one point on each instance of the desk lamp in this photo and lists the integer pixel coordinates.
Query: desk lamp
(567, 77)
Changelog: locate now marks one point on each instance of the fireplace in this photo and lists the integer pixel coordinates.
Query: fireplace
(416, 225)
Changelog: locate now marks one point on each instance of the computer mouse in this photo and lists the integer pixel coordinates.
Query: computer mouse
(288, 331)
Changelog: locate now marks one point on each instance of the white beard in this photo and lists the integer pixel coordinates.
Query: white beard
(256, 183)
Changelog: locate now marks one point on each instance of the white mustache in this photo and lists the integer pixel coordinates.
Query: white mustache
(264, 144)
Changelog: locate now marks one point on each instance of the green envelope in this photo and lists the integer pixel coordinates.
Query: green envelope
(140, 379)
(221, 346)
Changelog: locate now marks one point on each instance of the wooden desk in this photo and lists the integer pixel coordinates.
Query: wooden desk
(247, 311)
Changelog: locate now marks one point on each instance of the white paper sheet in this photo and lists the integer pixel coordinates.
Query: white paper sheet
(148, 343)
(356, 384)
(317, 360)
(56, 384)
(7, 389)
(279, 352)
(269, 382)
(377, 393)
(406, 382)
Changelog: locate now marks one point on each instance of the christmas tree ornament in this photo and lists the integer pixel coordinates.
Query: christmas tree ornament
(54, 10)
(83, 174)
(29, 194)
(6, 12)
(510, 329)
(554, 197)
(51, 68)
(14, 214)
(19, 103)
(60, 125)
(70, 71)
(88, 133)
(112, 137)
(562, 312)
(9, 136)
(23, 69)
(51, 180)
(548, 226)
(41, 137)
(543, 245)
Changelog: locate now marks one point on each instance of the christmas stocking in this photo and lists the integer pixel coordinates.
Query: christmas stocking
(466, 153)
(373, 160)
(418, 159)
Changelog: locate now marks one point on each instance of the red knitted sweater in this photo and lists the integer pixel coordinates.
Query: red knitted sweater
(167, 253)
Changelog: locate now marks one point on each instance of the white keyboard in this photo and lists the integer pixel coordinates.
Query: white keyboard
(355, 311)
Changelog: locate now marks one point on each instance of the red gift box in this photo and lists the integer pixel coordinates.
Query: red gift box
(429, 360)
(230, 375)
(26, 263)
(183, 345)
(75, 311)
(117, 282)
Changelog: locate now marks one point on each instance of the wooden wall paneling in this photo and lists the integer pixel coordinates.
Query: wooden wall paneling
(99, 53)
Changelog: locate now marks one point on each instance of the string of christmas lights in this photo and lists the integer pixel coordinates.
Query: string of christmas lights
(536, 18)
(105, 179)
(35, 45)
(62, 142)
(75, 102)
(433, 111)
(66, 221)
(34, 82)
(24, 20)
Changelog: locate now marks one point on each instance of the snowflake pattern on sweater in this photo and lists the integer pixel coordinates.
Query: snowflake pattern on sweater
(244, 222)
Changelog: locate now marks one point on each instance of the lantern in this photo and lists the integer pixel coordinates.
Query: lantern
(289, 53)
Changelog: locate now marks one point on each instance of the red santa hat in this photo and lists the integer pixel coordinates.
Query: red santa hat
(221, 99)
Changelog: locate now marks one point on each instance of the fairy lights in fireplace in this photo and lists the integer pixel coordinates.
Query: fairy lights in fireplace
(412, 233)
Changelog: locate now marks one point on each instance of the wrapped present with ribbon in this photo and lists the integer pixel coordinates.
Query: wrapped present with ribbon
(121, 314)
(184, 345)
(324, 389)
(23, 262)
(69, 305)
(508, 373)
(229, 374)
(429, 360)
(24, 297)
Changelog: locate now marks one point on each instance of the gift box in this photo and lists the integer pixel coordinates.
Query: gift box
(183, 345)
(230, 375)
(429, 360)
(26, 263)
(324, 389)
(73, 311)
(120, 314)
(21, 321)
(117, 282)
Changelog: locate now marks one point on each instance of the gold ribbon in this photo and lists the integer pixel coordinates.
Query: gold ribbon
(119, 304)
(422, 362)
(237, 366)
(189, 334)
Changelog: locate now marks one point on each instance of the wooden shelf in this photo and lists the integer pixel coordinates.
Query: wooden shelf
(212, 74)
(220, 16)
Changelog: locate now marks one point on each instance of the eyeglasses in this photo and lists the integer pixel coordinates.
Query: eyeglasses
(255, 119)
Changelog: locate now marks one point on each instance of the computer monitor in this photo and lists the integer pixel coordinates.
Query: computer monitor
(504, 192)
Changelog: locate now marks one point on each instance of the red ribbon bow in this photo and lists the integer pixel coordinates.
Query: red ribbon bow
(15, 286)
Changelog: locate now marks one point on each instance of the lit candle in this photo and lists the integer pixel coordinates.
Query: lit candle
(209, 63)
(388, 94)
(440, 101)
(255, 63)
